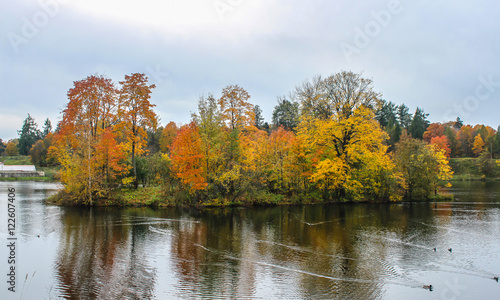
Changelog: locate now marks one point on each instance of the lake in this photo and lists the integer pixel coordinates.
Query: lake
(363, 251)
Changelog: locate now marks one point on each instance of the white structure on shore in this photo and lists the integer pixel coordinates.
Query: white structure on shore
(18, 168)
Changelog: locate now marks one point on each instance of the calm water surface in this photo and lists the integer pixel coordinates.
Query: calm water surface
(300, 252)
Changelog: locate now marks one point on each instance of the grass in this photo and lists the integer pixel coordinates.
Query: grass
(44, 178)
(467, 169)
(15, 160)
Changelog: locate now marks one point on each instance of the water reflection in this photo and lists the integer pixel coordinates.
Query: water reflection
(293, 252)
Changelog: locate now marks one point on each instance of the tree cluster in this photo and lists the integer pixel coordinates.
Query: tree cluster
(325, 144)
(102, 131)
(331, 139)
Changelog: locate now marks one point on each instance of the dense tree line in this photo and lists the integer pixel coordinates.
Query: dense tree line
(325, 143)
(331, 139)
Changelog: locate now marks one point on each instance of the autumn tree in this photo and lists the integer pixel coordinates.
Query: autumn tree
(136, 115)
(423, 167)
(478, 145)
(351, 158)
(280, 158)
(347, 144)
(237, 115)
(11, 149)
(254, 163)
(188, 158)
(39, 152)
(434, 130)
(339, 94)
(442, 143)
(85, 143)
(451, 135)
(209, 121)
(28, 135)
(465, 140)
(167, 137)
(235, 109)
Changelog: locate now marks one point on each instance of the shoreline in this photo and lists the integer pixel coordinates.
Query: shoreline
(153, 197)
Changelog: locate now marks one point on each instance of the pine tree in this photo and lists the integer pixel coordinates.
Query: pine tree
(28, 135)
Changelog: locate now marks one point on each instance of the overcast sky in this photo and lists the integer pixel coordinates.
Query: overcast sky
(440, 55)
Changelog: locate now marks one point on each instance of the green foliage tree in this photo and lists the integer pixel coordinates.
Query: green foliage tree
(386, 113)
(259, 119)
(487, 166)
(154, 139)
(423, 166)
(451, 135)
(404, 116)
(39, 152)
(286, 114)
(153, 169)
(47, 128)
(419, 124)
(2, 147)
(28, 135)
(210, 126)
(496, 144)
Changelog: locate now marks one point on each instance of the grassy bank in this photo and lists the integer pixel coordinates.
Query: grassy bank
(15, 160)
(156, 196)
(470, 169)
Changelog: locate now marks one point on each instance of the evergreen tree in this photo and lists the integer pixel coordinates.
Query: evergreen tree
(419, 124)
(458, 124)
(496, 144)
(404, 116)
(387, 114)
(2, 147)
(47, 128)
(28, 135)
(259, 119)
(286, 114)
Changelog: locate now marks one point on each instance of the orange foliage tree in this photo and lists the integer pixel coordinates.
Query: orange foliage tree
(441, 142)
(167, 137)
(136, 115)
(434, 130)
(187, 157)
(85, 144)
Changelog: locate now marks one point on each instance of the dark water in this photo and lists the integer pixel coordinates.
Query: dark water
(300, 252)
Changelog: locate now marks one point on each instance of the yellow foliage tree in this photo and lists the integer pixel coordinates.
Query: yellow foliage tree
(351, 156)
(478, 145)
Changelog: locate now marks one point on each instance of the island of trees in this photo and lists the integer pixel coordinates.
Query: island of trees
(332, 139)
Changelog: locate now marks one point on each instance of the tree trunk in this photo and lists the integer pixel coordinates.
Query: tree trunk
(136, 184)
